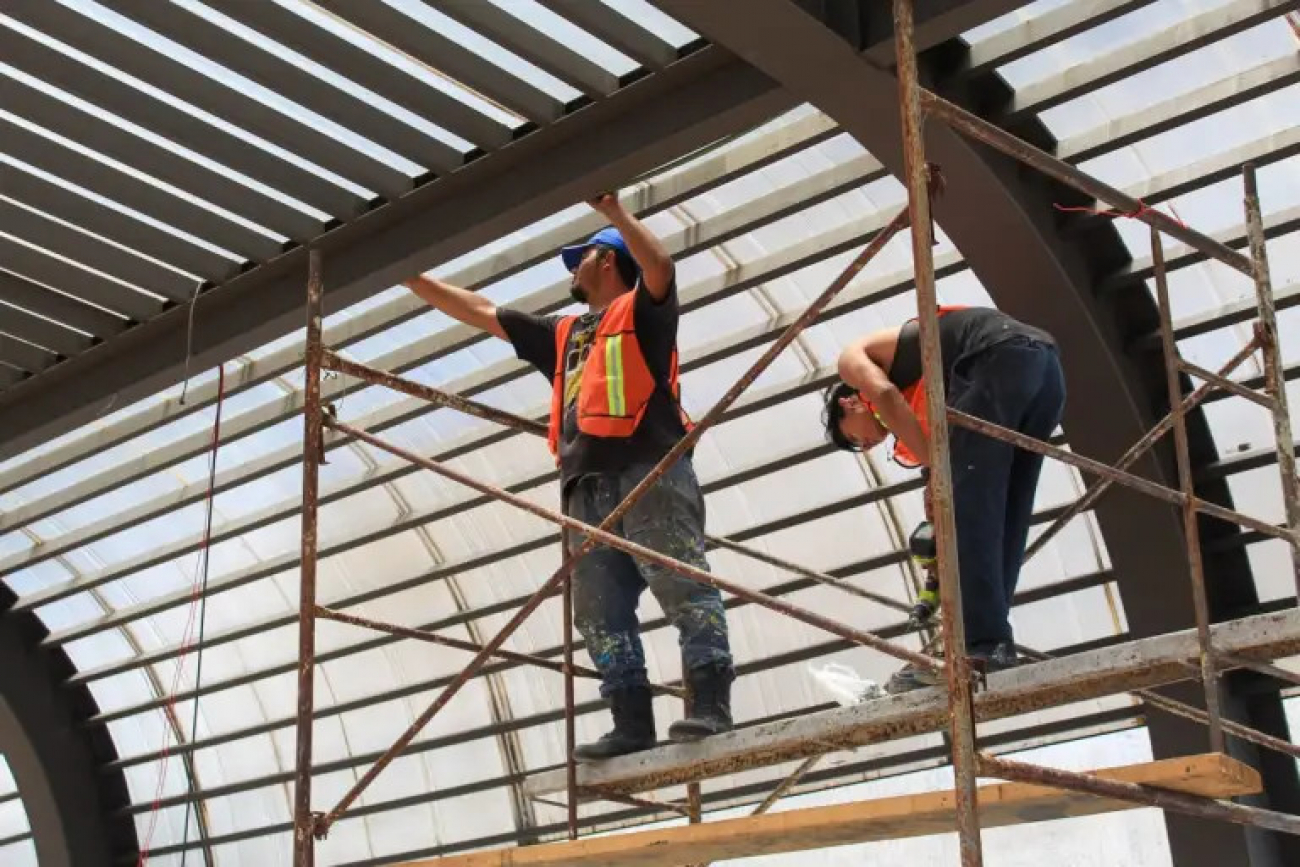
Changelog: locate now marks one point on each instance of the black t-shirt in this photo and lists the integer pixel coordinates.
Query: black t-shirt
(962, 333)
(533, 338)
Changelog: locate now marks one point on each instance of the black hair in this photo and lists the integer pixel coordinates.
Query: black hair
(625, 264)
(833, 414)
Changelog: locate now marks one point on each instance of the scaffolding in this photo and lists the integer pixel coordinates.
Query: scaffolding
(1197, 785)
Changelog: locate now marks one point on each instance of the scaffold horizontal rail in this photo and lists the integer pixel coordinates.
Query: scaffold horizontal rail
(1212, 776)
(1136, 664)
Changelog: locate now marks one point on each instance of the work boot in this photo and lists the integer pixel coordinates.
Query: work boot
(998, 657)
(986, 659)
(910, 677)
(710, 711)
(634, 726)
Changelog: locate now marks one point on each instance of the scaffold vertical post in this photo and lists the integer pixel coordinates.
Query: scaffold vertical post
(694, 807)
(312, 447)
(570, 727)
(1191, 529)
(1274, 377)
(957, 669)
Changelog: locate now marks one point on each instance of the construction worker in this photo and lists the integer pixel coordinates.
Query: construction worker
(994, 368)
(615, 411)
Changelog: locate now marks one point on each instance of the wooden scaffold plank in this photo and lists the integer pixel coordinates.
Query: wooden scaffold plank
(1136, 664)
(1212, 775)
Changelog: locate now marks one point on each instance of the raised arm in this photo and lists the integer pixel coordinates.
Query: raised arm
(460, 304)
(648, 251)
(857, 368)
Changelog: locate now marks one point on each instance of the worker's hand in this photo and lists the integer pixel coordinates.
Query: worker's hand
(606, 204)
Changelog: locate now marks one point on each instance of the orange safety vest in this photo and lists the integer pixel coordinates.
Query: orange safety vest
(914, 394)
(616, 384)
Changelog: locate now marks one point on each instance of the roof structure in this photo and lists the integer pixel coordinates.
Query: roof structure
(164, 170)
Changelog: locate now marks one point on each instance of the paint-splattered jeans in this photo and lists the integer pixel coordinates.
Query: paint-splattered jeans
(607, 584)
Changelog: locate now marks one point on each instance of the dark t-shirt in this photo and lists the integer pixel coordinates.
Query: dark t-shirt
(533, 338)
(962, 333)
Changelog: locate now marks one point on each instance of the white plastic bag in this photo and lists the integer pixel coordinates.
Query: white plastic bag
(843, 683)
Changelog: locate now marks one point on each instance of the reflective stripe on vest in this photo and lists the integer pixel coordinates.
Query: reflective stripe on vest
(615, 390)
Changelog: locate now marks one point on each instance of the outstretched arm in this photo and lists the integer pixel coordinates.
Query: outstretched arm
(858, 370)
(648, 251)
(460, 304)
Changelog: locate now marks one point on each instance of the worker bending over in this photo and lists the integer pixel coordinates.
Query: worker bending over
(615, 411)
(994, 368)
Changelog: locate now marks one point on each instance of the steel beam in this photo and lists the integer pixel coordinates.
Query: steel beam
(134, 105)
(42, 332)
(103, 219)
(1232, 313)
(23, 355)
(1218, 167)
(1277, 224)
(450, 58)
(59, 116)
(1183, 38)
(299, 33)
(1239, 462)
(1037, 32)
(68, 799)
(42, 267)
(290, 81)
(607, 25)
(1234, 89)
(538, 48)
(152, 63)
(118, 186)
(39, 230)
(54, 305)
(1183, 109)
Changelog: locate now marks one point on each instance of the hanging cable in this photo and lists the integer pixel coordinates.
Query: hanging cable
(197, 613)
(189, 340)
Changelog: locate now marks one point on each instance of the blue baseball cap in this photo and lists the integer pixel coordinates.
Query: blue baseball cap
(606, 237)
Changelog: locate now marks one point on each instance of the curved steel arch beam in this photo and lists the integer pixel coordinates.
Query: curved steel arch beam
(1001, 218)
(56, 760)
(1002, 222)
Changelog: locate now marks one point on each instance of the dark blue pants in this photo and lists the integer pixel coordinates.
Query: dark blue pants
(607, 584)
(1019, 385)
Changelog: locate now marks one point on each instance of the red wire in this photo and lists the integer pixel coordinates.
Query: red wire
(187, 636)
(1143, 208)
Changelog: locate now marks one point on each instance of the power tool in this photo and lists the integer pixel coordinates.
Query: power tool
(925, 554)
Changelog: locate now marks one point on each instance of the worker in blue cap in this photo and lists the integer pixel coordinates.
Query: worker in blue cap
(615, 412)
